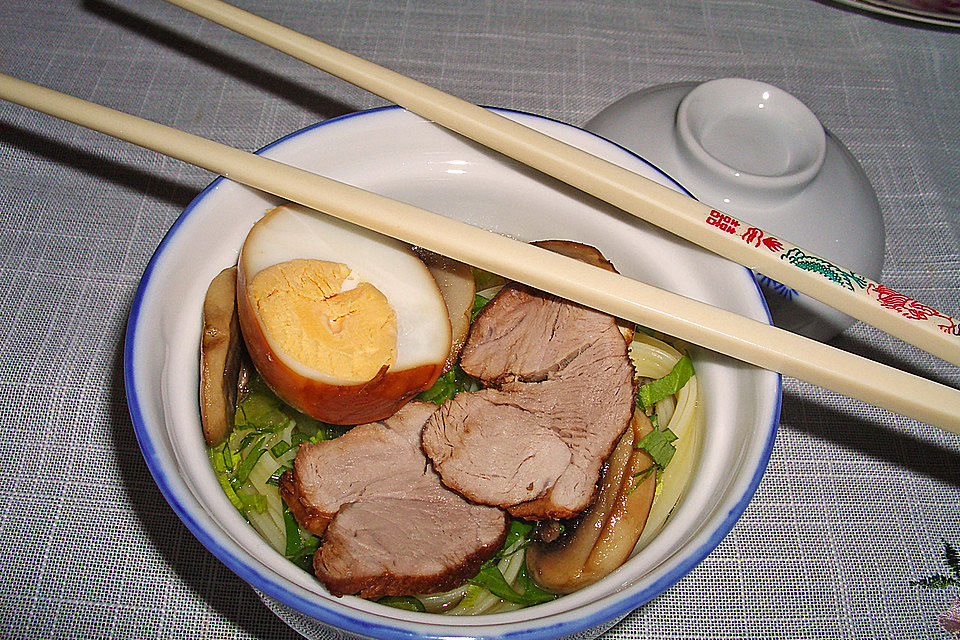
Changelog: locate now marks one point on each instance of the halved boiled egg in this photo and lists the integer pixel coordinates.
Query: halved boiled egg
(342, 323)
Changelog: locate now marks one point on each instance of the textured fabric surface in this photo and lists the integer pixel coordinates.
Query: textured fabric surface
(856, 502)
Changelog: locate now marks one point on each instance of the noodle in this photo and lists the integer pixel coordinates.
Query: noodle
(654, 358)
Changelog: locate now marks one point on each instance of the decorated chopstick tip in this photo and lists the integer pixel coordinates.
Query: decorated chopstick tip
(911, 309)
(884, 297)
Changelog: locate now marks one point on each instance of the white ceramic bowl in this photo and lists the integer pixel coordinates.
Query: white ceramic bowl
(400, 155)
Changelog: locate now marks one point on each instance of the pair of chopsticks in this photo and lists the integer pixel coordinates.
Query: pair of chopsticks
(695, 322)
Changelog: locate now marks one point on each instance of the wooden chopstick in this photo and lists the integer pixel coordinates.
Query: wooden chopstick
(737, 240)
(696, 322)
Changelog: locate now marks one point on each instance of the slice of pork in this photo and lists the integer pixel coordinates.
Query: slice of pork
(562, 393)
(389, 526)
(403, 546)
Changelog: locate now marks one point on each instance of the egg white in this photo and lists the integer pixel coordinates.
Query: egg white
(294, 232)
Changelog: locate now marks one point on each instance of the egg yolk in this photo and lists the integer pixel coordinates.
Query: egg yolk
(349, 335)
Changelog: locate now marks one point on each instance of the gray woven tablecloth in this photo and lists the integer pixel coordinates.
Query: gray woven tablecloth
(856, 502)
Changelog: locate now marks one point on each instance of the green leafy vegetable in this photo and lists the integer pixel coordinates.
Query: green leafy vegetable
(530, 588)
(224, 480)
(261, 412)
(443, 389)
(274, 480)
(280, 448)
(448, 385)
(470, 598)
(292, 532)
(653, 392)
(229, 459)
(250, 459)
(484, 280)
(658, 443)
(407, 603)
(479, 302)
(491, 579)
(519, 530)
(300, 545)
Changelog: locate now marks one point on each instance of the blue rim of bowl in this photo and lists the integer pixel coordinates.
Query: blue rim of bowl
(403, 629)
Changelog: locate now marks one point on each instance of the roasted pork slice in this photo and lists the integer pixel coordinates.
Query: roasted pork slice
(400, 546)
(389, 525)
(492, 449)
(560, 393)
(373, 459)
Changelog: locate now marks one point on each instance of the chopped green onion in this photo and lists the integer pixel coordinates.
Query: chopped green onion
(248, 439)
(274, 480)
(407, 603)
(257, 502)
(659, 445)
(292, 530)
(246, 466)
(653, 392)
(224, 480)
(227, 457)
(216, 459)
(280, 448)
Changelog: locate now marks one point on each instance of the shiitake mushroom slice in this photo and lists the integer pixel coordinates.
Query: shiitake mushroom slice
(608, 531)
(222, 362)
(604, 536)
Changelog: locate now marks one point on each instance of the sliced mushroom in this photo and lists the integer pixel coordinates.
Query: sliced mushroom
(590, 255)
(456, 283)
(609, 530)
(221, 357)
